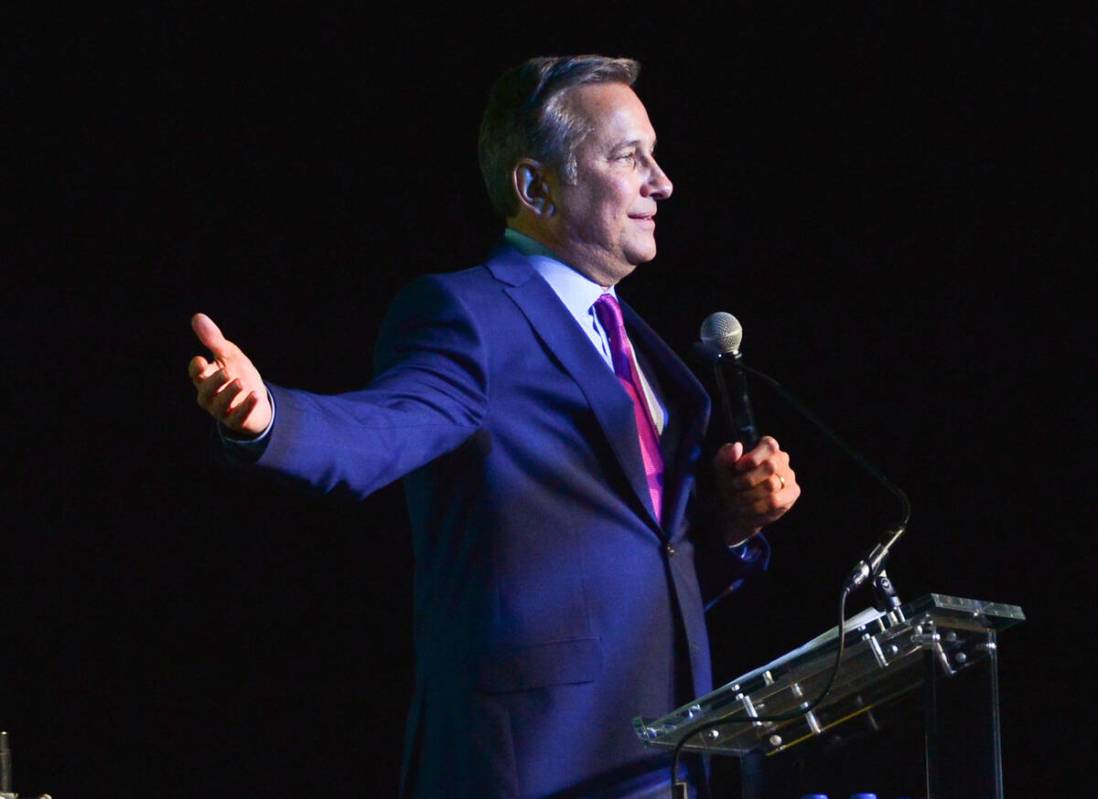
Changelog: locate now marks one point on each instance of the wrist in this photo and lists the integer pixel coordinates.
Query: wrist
(246, 436)
(735, 532)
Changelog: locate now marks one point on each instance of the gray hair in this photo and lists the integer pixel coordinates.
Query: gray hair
(528, 116)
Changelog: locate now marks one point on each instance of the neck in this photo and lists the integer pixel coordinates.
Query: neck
(577, 258)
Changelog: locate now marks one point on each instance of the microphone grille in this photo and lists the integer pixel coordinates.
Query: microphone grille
(722, 331)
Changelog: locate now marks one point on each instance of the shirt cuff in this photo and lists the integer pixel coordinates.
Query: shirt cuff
(752, 550)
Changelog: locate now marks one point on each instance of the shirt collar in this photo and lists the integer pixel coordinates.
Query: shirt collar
(577, 292)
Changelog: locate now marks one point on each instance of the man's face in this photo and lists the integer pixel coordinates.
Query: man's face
(605, 223)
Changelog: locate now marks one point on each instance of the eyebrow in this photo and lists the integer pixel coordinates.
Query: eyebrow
(632, 143)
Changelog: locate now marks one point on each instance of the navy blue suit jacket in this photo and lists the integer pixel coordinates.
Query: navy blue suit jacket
(551, 605)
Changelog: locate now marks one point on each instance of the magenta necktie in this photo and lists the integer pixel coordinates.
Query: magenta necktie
(609, 314)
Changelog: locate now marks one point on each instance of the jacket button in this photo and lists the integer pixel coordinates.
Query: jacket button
(670, 551)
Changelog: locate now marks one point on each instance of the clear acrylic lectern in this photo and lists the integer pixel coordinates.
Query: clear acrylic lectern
(905, 659)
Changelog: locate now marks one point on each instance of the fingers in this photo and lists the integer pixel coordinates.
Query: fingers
(763, 451)
(758, 486)
(772, 470)
(220, 399)
(238, 415)
(733, 456)
(196, 366)
(208, 382)
(226, 399)
(770, 499)
(216, 393)
(753, 468)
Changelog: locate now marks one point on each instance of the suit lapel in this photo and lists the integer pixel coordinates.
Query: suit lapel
(561, 335)
(688, 403)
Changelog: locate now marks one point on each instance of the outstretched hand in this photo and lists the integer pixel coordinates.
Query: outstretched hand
(229, 387)
(756, 488)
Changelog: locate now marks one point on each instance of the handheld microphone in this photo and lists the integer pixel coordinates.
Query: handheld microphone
(721, 335)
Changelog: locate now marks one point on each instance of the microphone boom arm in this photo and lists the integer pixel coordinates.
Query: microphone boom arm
(873, 564)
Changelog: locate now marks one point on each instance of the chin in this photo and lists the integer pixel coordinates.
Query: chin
(641, 255)
(641, 252)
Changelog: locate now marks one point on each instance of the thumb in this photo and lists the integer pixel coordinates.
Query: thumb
(209, 334)
(728, 455)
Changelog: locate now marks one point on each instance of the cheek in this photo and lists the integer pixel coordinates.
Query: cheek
(620, 194)
(614, 205)
(603, 210)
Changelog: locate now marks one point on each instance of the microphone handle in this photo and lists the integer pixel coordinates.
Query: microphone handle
(732, 385)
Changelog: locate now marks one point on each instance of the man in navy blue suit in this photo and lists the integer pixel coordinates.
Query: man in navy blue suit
(549, 442)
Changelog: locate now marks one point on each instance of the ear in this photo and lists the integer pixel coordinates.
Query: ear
(533, 188)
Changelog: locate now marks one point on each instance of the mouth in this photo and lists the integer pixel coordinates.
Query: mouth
(646, 220)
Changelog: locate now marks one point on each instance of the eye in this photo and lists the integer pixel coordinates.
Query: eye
(627, 157)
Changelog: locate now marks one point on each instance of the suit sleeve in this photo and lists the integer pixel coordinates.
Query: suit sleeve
(429, 396)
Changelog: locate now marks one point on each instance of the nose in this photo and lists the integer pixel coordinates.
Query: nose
(658, 186)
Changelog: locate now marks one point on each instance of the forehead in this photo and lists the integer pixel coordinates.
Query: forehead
(614, 113)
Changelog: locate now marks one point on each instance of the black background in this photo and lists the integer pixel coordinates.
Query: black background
(897, 200)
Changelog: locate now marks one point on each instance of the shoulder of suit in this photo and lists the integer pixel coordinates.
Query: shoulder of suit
(478, 288)
(504, 265)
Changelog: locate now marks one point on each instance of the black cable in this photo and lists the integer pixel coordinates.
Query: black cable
(834, 438)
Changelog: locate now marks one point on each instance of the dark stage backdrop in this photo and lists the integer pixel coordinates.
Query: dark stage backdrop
(897, 200)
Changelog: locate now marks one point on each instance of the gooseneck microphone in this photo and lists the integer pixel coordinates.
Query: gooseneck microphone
(5, 764)
(721, 335)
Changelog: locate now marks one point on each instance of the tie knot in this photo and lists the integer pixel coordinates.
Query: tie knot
(609, 313)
